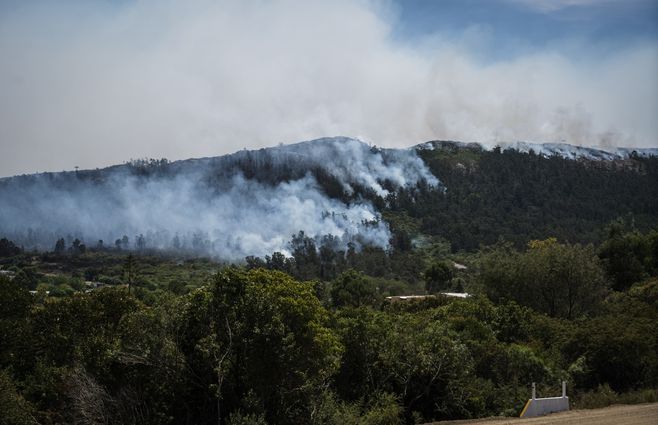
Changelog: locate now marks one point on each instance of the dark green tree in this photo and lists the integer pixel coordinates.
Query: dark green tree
(438, 276)
(353, 289)
(15, 409)
(130, 271)
(261, 340)
(60, 246)
(8, 248)
(561, 280)
(626, 256)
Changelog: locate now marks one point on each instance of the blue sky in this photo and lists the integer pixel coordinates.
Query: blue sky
(503, 28)
(92, 83)
(513, 27)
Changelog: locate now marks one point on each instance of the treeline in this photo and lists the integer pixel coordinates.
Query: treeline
(260, 346)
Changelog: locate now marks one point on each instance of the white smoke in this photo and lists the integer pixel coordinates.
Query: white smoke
(90, 85)
(229, 217)
(351, 160)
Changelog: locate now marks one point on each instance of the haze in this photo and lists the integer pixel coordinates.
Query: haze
(91, 85)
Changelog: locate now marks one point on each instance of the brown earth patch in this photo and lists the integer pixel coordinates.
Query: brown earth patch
(639, 414)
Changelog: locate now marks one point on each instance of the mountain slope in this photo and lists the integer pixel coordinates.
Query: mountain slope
(521, 196)
(252, 202)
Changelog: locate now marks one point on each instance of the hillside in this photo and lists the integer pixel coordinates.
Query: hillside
(246, 203)
(341, 187)
(521, 196)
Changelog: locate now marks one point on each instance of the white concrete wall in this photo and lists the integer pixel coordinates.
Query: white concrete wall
(544, 406)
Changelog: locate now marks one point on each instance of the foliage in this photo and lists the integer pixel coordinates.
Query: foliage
(561, 280)
(268, 349)
(604, 396)
(15, 409)
(8, 248)
(438, 276)
(628, 255)
(197, 342)
(522, 196)
(353, 289)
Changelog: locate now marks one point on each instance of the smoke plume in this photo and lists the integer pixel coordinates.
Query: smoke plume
(248, 203)
(94, 83)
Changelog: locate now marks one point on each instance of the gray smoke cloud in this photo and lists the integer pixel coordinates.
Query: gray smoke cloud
(209, 206)
(93, 83)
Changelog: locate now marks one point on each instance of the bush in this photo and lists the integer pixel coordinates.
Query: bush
(604, 396)
(15, 410)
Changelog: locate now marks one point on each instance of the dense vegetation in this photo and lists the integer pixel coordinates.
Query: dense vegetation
(259, 346)
(519, 196)
(561, 290)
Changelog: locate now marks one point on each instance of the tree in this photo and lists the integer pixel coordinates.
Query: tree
(8, 248)
(140, 242)
(15, 300)
(561, 280)
(15, 331)
(626, 256)
(353, 289)
(279, 262)
(253, 262)
(261, 339)
(305, 254)
(129, 271)
(618, 349)
(363, 334)
(438, 276)
(427, 365)
(15, 409)
(568, 279)
(60, 246)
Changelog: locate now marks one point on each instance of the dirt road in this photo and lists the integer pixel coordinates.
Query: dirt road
(639, 414)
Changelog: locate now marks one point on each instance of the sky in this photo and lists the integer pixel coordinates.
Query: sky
(95, 83)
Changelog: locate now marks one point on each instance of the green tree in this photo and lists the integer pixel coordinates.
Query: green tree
(60, 246)
(438, 276)
(626, 256)
(8, 248)
(130, 271)
(15, 305)
(363, 333)
(353, 289)
(262, 340)
(561, 280)
(15, 409)
(424, 362)
(15, 299)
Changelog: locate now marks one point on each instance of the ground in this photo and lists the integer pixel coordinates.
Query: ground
(640, 414)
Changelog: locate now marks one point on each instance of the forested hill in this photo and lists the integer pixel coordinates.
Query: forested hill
(340, 191)
(521, 196)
